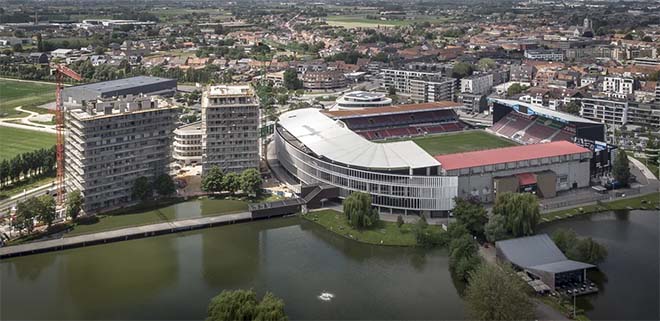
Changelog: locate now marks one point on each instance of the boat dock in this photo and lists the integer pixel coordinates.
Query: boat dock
(124, 234)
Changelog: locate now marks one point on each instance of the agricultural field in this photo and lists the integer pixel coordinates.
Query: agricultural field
(359, 21)
(15, 141)
(14, 93)
(461, 142)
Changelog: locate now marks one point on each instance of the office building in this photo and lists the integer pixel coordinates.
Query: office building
(187, 148)
(479, 84)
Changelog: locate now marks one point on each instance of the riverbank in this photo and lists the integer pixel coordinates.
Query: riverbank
(645, 202)
(384, 233)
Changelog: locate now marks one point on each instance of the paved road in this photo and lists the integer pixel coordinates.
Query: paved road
(547, 313)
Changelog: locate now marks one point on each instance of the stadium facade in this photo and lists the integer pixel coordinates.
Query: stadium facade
(400, 176)
(341, 148)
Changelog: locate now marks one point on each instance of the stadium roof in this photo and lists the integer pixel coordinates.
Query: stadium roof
(508, 154)
(538, 252)
(331, 139)
(546, 112)
(122, 84)
(398, 109)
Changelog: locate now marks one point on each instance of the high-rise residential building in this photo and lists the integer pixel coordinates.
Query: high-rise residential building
(111, 142)
(230, 123)
(422, 86)
(477, 84)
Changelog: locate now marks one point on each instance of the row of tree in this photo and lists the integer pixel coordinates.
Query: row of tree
(216, 181)
(29, 164)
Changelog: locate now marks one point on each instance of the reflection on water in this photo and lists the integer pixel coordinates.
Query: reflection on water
(174, 276)
(629, 278)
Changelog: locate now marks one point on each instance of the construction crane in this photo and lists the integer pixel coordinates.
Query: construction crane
(61, 71)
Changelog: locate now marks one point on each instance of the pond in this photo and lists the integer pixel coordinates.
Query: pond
(629, 279)
(175, 276)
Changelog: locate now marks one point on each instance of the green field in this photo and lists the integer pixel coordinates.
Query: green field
(384, 233)
(14, 141)
(137, 216)
(20, 93)
(360, 21)
(461, 142)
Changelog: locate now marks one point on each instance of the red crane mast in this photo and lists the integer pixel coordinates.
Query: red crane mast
(61, 71)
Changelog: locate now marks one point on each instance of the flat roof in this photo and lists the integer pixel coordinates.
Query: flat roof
(546, 112)
(508, 154)
(398, 109)
(538, 252)
(121, 84)
(333, 140)
(230, 90)
(364, 95)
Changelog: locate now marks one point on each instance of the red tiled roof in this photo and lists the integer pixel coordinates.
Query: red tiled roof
(508, 154)
(391, 109)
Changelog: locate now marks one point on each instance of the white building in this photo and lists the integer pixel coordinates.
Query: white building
(618, 87)
(362, 99)
(230, 120)
(188, 144)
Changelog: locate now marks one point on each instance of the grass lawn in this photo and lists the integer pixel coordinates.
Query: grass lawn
(385, 233)
(646, 202)
(20, 93)
(361, 21)
(15, 141)
(165, 211)
(461, 142)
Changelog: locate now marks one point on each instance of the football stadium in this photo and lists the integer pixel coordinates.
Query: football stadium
(415, 159)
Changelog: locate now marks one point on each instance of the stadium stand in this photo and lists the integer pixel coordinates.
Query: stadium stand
(401, 121)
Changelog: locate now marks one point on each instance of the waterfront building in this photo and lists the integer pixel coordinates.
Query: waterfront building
(109, 143)
(230, 120)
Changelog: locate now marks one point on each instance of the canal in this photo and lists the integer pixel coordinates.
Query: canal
(174, 276)
(629, 279)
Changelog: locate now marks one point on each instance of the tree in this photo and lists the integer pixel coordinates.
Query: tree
(232, 182)
(232, 305)
(399, 221)
(495, 229)
(471, 214)
(141, 188)
(495, 292)
(212, 181)
(461, 70)
(26, 213)
(291, 80)
(565, 239)
(74, 202)
(463, 257)
(515, 89)
(486, 63)
(391, 91)
(587, 250)
(572, 107)
(521, 211)
(358, 211)
(164, 185)
(251, 181)
(621, 168)
(628, 36)
(46, 209)
(242, 305)
(271, 308)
